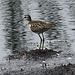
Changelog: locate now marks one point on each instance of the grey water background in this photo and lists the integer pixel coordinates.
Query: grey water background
(16, 36)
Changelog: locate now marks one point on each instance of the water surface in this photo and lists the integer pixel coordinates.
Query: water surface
(16, 36)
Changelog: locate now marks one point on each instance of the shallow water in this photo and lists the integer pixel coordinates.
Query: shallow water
(16, 36)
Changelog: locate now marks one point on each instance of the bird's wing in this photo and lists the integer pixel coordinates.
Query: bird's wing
(39, 25)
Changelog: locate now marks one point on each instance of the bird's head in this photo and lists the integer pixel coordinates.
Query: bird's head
(27, 17)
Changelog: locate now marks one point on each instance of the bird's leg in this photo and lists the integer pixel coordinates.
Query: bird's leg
(43, 41)
(40, 41)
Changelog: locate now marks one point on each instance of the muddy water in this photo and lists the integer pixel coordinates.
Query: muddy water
(16, 36)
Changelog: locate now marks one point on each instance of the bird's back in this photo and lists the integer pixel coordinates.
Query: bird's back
(39, 26)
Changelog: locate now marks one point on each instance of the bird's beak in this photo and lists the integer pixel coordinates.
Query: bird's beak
(21, 20)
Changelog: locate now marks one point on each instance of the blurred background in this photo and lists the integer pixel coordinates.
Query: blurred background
(16, 36)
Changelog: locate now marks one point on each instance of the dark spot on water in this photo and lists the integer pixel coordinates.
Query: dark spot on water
(73, 29)
(46, 5)
(40, 6)
(22, 70)
(48, 16)
(43, 13)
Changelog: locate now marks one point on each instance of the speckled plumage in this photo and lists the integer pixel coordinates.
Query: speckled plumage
(39, 26)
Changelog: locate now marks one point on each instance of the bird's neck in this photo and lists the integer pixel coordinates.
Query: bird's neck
(29, 19)
(28, 22)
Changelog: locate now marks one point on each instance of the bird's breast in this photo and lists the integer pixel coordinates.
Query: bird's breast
(29, 26)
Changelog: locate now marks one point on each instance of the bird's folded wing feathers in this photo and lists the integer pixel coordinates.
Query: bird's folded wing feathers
(39, 25)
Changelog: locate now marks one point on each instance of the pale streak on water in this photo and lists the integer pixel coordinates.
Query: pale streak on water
(68, 21)
(63, 31)
(3, 51)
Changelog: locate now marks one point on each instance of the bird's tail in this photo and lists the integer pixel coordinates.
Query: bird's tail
(53, 25)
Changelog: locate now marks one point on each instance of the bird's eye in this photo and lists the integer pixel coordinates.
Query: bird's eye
(25, 17)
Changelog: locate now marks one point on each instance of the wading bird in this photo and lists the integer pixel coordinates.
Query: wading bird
(38, 27)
